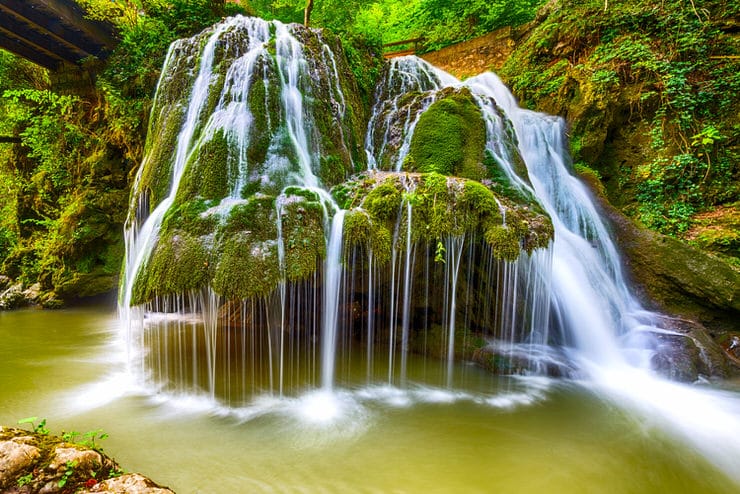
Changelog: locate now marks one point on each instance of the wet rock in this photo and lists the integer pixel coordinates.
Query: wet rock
(684, 351)
(5, 282)
(12, 297)
(32, 293)
(85, 460)
(132, 483)
(16, 455)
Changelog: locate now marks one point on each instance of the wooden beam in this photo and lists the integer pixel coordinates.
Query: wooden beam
(23, 50)
(57, 18)
(48, 44)
(70, 12)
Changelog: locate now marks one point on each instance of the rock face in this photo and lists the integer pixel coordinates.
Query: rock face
(32, 462)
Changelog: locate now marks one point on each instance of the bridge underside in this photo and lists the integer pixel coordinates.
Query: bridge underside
(52, 33)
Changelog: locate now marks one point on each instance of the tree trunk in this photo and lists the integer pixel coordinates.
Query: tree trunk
(307, 13)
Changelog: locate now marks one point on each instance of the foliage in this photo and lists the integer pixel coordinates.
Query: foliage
(39, 428)
(651, 91)
(440, 22)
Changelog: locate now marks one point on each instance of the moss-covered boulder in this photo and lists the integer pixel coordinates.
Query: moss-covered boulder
(252, 121)
(449, 138)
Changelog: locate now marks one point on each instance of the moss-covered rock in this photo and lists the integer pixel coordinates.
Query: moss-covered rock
(440, 207)
(449, 138)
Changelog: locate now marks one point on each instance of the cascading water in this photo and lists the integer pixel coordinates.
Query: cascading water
(244, 276)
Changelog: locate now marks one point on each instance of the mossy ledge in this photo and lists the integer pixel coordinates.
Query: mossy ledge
(233, 246)
(441, 206)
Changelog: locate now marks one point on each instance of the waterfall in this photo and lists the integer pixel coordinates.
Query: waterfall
(259, 262)
(332, 286)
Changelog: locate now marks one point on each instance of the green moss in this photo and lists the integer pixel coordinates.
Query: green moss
(450, 138)
(157, 174)
(501, 184)
(384, 200)
(179, 263)
(257, 217)
(188, 217)
(504, 242)
(207, 173)
(303, 237)
(246, 268)
(331, 169)
(266, 111)
(374, 236)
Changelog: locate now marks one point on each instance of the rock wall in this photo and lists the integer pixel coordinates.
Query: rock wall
(469, 58)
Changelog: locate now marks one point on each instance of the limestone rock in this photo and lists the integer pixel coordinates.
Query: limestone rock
(16, 455)
(131, 483)
(85, 460)
(32, 462)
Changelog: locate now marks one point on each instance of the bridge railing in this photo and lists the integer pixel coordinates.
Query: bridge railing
(411, 47)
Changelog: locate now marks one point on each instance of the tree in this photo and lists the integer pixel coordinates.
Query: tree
(307, 13)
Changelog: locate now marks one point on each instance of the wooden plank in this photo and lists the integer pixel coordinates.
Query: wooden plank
(57, 22)
(47, 44)
(70, 12)
(19, 48)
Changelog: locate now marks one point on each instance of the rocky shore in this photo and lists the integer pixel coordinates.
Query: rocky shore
(37, 462)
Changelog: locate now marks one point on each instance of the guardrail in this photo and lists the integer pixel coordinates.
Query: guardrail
(415, 42)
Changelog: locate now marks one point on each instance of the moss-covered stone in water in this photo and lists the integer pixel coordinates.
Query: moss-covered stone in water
(450, 138)
(504, 242)
(360, 230)
(303, 237)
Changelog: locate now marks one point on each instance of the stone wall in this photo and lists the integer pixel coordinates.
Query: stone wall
(469, 58)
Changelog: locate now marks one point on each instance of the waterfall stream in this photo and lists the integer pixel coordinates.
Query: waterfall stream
(352, 320)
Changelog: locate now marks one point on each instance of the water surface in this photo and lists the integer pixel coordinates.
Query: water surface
(499, 435)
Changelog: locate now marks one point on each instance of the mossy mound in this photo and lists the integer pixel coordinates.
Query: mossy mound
(440, 207)
(234, 247)
(449, 138)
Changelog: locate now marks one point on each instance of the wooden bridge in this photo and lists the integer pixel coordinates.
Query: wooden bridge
(53, 33)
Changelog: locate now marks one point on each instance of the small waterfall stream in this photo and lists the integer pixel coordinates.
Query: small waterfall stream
(349, 318)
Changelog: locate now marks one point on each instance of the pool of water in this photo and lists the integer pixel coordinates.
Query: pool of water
(529, 435)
